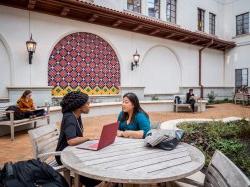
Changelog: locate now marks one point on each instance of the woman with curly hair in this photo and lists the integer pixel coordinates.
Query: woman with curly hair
(73, 105)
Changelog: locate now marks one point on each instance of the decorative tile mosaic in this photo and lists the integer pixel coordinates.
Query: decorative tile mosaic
(83, 62)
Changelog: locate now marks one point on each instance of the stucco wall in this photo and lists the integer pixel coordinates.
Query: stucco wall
(179, 61)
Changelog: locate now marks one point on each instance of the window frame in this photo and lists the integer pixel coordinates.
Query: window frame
(241, 77)
(212, 23)
(172, 12)
(201, 15)
(159, 14)
(241, 23)
(134, 7)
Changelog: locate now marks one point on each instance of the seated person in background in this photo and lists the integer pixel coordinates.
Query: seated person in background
(26, 105)
(190, 98)
(133, 120)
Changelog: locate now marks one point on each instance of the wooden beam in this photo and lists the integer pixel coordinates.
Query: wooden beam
(195, 42)
(137, 28)
(170, 35)
(221, 48)
(93, 18)
(155, 32)
(217, 45)
(184, 38)
(31, 4)
(117, 23)
(65, 11)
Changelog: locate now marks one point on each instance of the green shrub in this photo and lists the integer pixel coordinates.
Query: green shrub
(211, 97)
(232, 138)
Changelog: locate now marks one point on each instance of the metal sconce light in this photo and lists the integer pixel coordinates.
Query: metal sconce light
(136, 58)
(31, 47)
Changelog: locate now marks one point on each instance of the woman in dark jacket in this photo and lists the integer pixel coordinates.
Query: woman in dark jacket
(73, 105)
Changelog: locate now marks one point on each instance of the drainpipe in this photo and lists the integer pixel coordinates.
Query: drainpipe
(200, 61)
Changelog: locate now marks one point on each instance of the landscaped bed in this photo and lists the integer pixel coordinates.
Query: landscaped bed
(232, 138)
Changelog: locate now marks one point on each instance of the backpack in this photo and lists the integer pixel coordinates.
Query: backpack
(31, 173)
(177, 100)
(18, 114)
(164, 139)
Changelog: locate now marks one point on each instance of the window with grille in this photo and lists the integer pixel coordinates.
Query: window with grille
(212, 23)
(201, 19)
(154, 8)
(171, 11)
(241, 77)
(242, 24)
(134, 5)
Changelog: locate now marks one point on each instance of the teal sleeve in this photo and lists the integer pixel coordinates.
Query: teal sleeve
(119, 117)
(143, 122)
(119, 121)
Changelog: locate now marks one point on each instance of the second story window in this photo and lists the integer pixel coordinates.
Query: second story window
(171, 11)
(154, 8)
(134, 5)
(201, 21)
(242, 24)
(211, 23)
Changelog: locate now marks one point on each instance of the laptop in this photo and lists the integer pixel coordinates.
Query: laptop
(108, 136)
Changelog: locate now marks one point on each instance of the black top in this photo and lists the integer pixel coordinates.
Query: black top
(70, 129)
(188, 97)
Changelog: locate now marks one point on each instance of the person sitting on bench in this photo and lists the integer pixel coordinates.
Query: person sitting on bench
(26, 105)
(190, 98)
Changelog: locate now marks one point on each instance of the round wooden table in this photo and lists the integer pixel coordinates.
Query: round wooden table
(128, 161)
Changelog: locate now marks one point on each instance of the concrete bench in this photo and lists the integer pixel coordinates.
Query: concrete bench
(5, 121)
(197, 106)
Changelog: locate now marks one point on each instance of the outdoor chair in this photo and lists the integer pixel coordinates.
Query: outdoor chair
(239, 97)
(221, 172)
(44, 141)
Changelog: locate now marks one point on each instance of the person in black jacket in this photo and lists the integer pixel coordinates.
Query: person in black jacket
(190, 98)
(73, 105)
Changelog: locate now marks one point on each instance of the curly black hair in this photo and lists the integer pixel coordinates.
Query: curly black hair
(73, 100)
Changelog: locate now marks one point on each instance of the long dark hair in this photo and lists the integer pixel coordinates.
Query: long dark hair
(137, 108)
(25, 93)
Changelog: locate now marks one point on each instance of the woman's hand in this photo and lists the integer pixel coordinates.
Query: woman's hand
(77, 140)
(120, 133)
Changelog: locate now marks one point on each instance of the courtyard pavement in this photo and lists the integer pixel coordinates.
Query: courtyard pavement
(21, 149)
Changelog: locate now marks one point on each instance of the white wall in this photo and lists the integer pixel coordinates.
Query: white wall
(48, 30)
(5, 65)
(231, 10)
(186, 12)
(239, 56)
(211, 76)
(160, 66)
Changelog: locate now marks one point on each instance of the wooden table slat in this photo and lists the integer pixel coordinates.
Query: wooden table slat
(160, 165)
(118, 161)
(151, 162)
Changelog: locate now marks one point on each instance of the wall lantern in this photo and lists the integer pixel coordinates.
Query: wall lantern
(31, 48)
(135, 63)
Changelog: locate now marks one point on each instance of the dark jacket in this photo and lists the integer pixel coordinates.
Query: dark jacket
(188, 97)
